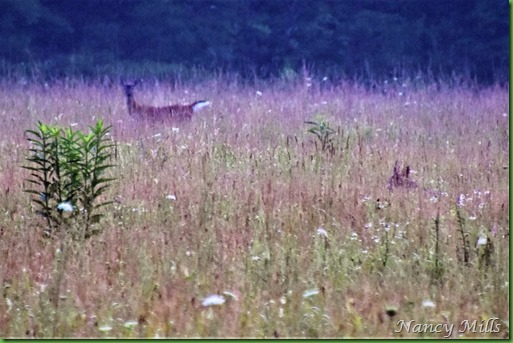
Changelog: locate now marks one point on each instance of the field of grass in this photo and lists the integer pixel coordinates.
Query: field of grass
(243, 203)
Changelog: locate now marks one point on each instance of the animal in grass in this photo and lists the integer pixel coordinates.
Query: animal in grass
(401, 179)
(172, 112)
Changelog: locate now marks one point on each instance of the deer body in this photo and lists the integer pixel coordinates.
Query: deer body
(401, 179)
(173, 112)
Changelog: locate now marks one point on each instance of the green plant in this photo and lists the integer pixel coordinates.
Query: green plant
(67, 169)
(484, 250)
(436, 258)
(464, 256)
(324, 134)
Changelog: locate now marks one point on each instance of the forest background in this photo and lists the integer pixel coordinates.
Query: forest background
(364, 40)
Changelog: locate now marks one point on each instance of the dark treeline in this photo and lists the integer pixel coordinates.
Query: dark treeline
(263, 38)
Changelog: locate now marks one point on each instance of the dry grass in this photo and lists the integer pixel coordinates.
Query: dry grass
(252, 189)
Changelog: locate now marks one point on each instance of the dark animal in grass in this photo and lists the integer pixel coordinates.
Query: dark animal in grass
(401, 178)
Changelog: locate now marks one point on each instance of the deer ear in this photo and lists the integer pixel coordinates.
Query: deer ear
(396, 167)
(129, 82)
(407, 171)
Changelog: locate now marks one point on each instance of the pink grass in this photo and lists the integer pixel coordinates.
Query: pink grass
(251, 189)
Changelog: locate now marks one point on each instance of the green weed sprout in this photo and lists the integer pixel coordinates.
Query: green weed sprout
(324, 134)
(67, 176)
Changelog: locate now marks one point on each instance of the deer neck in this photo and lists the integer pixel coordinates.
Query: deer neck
(130, 102)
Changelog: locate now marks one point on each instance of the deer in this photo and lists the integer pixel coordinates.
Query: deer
(173, 112)
(401, 179)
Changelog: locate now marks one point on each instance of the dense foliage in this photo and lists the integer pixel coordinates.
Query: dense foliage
(366, 39)
(66, 170)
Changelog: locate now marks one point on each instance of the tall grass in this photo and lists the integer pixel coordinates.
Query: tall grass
(243, 203)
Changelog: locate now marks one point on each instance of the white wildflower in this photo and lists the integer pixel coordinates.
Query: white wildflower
(428, 304)
(322, 232)
(171, 197)
(105, 328)
(65, 206)
(9, 304)
(354, 236)
(175, 129)
(482, 240)
(259, 93)
(130, 324)
(213, 300)
(309, 293)
(461, 200)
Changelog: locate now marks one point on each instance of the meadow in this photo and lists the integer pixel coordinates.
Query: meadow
(240, 224)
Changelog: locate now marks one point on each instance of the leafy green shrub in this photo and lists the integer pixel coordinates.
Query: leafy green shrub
(67, 169)
(324, 134)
